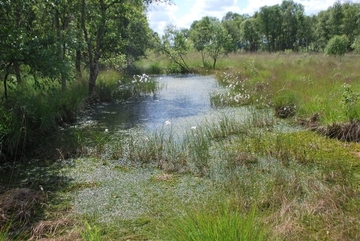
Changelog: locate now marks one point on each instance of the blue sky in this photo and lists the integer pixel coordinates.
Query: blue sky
(183, 12)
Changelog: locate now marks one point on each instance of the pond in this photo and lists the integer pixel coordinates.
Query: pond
(180, 99)
(182, 102)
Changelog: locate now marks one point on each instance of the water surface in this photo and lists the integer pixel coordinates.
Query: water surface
(180, 98)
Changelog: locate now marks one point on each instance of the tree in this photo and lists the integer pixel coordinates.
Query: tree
(220, 42)
(356, 44)
(27, 40)
(232, 23)
(210, 38)
(351, 20)
(322, 29)
(250, 34)
(112, 27)
(176, 45)
(200, 34)
(335, 21)
(337, 45)
(270, 20)
(305, 33)
(291, 15)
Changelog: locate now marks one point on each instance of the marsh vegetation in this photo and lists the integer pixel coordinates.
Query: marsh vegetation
(253, 174)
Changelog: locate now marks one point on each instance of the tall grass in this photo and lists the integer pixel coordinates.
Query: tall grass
(113, 85)
(34, 113)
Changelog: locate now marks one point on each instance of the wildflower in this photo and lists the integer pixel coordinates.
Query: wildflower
(236, 98)
(167, 122)
(193, 128)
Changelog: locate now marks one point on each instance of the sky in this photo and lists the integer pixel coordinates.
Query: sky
(182, 13)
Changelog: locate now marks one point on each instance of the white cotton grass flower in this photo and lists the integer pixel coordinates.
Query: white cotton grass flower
(193, 128)
(140, 78)
(167, 122)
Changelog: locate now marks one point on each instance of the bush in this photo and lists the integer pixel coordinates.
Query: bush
(337, 45)
(356, 44)
(31, 114)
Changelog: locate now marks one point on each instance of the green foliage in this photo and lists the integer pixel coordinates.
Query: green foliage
(350, 103)
(356, 44)
(91, 233)
(210, 38)
(155, 68)
(36, 113)
(250, 34)
(175, 45)
(337, 45)
(232, 23)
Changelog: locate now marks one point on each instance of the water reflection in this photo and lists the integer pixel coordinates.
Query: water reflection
(181, 97)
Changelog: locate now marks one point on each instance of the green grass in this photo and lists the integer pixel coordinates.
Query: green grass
(91, 233)
(4, 231)
(213, 222)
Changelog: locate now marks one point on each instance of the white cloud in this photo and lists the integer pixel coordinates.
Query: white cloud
(160, 15)
(184, 12)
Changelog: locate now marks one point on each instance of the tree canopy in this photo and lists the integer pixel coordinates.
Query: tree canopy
(280, 27)
(54, 39)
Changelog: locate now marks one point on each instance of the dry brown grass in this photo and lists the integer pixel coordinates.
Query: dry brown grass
(349, 131)
(17, 206)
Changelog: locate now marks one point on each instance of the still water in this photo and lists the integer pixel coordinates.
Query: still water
(180, 99)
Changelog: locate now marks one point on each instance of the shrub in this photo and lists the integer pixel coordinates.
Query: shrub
(337, 45)
(356, 44)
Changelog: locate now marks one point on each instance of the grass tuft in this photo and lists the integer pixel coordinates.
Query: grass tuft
(214, 223)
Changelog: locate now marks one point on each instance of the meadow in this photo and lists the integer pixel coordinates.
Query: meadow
(288, 171)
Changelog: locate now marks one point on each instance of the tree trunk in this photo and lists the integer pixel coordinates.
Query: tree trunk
(5, 80)
(93, 51)
(203, 58)
(94, 72)
(78, 52)
(214, 63)
(17, 72)
(60, 48)
(78, 63)
(5, 85)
